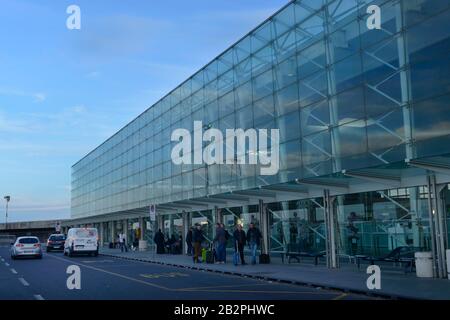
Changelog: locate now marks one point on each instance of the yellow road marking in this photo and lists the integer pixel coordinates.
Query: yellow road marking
(342, 296)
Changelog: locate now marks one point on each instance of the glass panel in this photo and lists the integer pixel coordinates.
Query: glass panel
(243, 95)
(315, 117)
(297, 226)
(376, 225)
(226, 104)
(263, 85)
(287, 100)
(261, 37)
(432, 118)
(289, 126)
(285, 73)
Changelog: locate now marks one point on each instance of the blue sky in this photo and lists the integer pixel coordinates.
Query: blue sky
(63, 92)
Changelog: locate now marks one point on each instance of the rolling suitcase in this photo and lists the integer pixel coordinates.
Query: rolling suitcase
(209, 258)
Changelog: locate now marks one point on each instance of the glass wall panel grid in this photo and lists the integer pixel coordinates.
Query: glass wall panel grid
(337, 60)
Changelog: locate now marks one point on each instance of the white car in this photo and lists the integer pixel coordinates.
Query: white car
(81, 240)
(26, 247)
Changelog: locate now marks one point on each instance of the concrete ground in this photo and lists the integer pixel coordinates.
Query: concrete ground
(110, 278)
(394, 282)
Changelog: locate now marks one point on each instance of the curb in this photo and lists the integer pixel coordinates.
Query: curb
(265, 278)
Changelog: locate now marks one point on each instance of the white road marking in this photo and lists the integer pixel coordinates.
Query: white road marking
(7, 264)
(22, 280)
(38, 297)
(13, 271)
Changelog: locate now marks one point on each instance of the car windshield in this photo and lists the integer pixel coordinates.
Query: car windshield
(86, 233)
(57, 238)
(28, 240)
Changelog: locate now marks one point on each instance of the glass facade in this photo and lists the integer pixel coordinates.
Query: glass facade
(343, 98)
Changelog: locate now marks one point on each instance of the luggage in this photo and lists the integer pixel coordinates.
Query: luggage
(210, 255)
(204, 255)
(264, 259)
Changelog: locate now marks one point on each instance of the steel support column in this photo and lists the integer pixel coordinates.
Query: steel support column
(437, 226)
(218, 214)
(330, 226)
(264, 227)
(141, 226)
(101, 236)
(125, 229)
(186, 225)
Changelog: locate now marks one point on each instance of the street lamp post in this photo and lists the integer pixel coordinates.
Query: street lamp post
(7, 198)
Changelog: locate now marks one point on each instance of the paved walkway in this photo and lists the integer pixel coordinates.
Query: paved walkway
(394, 284)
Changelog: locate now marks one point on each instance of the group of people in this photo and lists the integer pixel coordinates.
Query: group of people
(172, 245)
(195, 239)
(196, 242)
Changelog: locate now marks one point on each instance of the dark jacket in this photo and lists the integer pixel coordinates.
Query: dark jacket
(159, 238)
(240, 237)
(254, 235)
(197, 236)
(220, 236)
(189, 237)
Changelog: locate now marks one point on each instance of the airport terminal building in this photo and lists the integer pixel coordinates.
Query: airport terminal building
(363, 116)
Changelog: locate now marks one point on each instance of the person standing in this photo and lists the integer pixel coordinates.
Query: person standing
(197, 238)
(159, 240)
(122, 243)
(253, 239)
(240, 241)
(221, 241)
(189, 242)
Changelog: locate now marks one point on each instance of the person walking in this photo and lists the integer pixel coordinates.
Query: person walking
(159, 240)
(189, 242)
(122, 243)
(197, 238)
(240, 239)
(221, 241)
(253, 239)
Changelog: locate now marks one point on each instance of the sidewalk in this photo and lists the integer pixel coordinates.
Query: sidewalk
(394, 284)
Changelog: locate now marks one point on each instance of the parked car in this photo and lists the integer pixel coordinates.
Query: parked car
(26, 247)
(81, 240)
(56, 242)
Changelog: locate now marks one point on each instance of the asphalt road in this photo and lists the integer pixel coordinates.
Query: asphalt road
(104, 278)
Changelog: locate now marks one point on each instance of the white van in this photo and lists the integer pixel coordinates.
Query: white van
(81, 240)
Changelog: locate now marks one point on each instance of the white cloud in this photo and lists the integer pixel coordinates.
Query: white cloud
(39, 97)
(8, 125)
(36, 96)
(93, 75)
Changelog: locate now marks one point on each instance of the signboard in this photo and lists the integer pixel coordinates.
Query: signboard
(152, 211)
